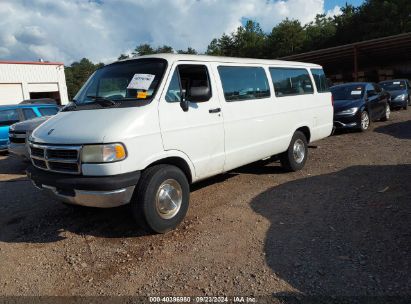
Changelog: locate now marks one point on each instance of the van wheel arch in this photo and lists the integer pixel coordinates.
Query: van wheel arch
(175, 161)
(306, 131)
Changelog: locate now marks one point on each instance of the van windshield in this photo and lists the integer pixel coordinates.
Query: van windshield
(126, 83)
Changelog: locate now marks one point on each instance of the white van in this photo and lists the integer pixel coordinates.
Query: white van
(140, 131)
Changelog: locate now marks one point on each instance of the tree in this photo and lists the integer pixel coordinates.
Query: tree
(319, 33)
(77, 74)
(188, 51)
(123, 56)
(285, 39)
(143, 49)
(164, 49)
(249, 40)
(224, 46)
(213, 48)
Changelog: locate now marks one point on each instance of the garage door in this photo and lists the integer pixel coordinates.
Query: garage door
(10, 93)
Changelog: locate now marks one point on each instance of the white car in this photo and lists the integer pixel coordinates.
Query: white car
(140, 131)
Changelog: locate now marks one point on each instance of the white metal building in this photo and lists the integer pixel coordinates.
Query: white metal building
(21, 80)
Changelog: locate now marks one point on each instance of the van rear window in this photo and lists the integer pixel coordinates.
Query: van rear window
(320, 80)
(291, 81)
(243, 83)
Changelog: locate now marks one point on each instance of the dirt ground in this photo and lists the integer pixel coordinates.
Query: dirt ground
(342, 226)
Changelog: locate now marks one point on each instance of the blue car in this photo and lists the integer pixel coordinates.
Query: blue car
(11, 114)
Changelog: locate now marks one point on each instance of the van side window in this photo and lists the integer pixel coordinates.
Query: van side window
(291, 81)
(320, 80)
(174, 91)
(192, 82)
(243, 83)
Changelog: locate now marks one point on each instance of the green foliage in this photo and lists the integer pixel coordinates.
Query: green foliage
(143, 49)
(374, 18)
(123, 56)
(164, 49)
(286, 38)
(319, 32)
(189, 51)
(77, 73)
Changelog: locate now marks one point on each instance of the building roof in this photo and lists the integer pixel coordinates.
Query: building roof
(386, 48)
(207, 58)
(31, 62)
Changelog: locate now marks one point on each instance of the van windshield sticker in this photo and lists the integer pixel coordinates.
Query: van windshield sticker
(141, 94)
(141, 82)
(355, 92)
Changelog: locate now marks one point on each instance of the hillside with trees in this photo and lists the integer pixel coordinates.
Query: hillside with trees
(372, 19)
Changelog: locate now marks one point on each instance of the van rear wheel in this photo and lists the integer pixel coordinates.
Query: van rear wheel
(160, 201)
(295, 157)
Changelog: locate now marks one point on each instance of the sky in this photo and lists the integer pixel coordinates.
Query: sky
(101, 30)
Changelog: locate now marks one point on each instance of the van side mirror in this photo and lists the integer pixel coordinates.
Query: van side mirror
(199, 94)
(184, 104)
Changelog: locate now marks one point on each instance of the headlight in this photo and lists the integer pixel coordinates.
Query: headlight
(349, 111)
(11, 128)
(400, 97)
(103, 153)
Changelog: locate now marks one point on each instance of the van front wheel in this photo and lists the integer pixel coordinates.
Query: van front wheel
(160, 201)
(295, 157)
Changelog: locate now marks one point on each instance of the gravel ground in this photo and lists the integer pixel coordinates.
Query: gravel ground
(341, 226)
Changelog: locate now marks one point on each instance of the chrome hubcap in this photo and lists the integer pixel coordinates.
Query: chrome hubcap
(168, 199)
(299, 150)
(387, 111)
(365, 121)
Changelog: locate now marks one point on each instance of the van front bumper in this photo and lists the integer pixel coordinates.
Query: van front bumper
(91, 191)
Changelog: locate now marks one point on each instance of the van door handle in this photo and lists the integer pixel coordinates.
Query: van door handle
(216, 110)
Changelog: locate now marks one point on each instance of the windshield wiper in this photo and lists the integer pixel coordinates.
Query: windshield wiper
(70, 106)
(105, 102)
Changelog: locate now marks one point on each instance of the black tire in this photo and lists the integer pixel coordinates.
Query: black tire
(364, 127)
(143, 202)
(289, 160)
(387, 113)
(409, 100)
(405, 107)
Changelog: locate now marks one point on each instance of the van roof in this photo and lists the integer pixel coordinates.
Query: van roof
(206, 58)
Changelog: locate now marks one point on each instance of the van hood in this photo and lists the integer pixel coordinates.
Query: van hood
(90, 126)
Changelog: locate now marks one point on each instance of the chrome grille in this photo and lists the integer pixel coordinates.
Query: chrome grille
(61, 159)
(17, 137)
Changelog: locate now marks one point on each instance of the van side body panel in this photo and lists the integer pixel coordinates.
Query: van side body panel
(259, 128)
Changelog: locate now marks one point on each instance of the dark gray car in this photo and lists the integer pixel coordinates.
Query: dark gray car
(400, 91)
(20, 132)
